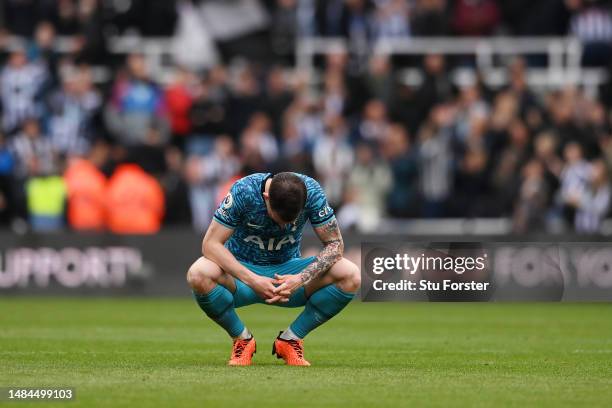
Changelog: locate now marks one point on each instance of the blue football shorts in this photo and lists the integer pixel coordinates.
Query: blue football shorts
(245, 296)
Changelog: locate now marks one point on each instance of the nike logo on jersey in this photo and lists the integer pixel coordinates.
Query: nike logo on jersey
(250, 224)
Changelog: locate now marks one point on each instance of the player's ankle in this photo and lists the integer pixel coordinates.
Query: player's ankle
(289, 335)
(245, 335)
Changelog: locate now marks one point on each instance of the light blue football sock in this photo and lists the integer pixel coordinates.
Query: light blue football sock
(218, 304)
(322, 305)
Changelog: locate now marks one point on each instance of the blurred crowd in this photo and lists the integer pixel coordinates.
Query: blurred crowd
(267, 29)
(138, 153)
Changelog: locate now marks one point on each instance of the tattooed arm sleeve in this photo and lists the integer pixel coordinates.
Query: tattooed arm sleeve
(333, 247)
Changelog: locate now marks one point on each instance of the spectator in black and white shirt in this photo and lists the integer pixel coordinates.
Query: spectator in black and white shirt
(574, 179)
(20, 85)
(33, 151)
(391, 19)
(593, 204)
(436, 161)
(73, 108)
(592, 24)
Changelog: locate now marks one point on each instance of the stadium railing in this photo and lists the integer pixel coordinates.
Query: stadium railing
(562, 62)
(562, 66)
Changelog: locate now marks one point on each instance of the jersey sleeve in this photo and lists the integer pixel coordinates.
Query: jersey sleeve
(320, 212)
(229, 212)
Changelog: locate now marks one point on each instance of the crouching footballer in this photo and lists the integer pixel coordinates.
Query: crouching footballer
(251, 254)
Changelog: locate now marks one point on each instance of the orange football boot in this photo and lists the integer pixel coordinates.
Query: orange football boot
(292, 351)
(242, 352)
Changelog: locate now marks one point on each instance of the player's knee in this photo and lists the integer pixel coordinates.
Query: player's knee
(198, 279)
(351, 281)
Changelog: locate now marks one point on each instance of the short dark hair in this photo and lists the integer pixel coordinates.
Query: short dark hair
(287, 195)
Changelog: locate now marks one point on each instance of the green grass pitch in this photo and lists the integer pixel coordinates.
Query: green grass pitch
(164, 352)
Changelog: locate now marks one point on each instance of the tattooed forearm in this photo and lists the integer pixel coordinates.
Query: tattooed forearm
(329, 255)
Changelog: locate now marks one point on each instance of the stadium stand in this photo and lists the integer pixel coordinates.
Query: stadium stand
(429, 113)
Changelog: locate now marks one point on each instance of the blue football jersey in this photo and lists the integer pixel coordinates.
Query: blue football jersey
(257, 239)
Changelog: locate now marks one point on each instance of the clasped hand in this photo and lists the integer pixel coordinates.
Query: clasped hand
(278, 289)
